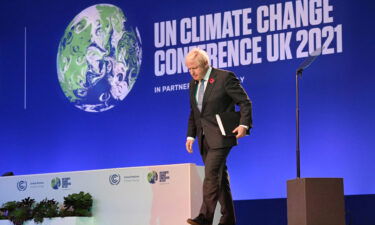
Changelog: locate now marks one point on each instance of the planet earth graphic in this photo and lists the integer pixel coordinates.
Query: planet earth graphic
(99, 58)
(55, 183)
(152, 177)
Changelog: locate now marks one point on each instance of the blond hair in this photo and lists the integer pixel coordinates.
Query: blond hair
(198, 55)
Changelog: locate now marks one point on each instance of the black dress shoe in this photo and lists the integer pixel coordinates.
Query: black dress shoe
(199, 220)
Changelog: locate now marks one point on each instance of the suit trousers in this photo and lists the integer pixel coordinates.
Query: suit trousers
(216, 187)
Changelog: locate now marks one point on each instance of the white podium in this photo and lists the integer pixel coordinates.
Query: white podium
(152, 195)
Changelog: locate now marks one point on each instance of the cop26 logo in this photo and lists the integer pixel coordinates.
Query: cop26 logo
(152, 177)
(56, 183)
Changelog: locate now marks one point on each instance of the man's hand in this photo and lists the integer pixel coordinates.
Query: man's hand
(240, 130)
(189, 145)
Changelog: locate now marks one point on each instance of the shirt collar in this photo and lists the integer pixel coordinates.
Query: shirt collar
(207, 76)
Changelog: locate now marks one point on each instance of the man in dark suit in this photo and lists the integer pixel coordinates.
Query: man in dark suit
(214, 91)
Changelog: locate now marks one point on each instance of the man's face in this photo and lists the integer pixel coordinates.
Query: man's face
(196, 71)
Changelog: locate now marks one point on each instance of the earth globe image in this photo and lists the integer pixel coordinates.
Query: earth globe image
(152, 177)
(55, 183)
(99, 58)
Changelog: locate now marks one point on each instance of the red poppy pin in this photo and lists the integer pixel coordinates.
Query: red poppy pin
(211, 80)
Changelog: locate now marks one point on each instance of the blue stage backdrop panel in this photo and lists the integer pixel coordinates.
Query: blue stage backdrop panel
(101, 84)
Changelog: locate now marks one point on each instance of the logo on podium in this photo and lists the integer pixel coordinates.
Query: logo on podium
(114, 179)
(152, 177)
(22, 185)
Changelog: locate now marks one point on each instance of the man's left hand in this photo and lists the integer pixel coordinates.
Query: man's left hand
(240, 130)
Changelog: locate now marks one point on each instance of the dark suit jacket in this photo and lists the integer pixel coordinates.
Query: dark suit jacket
(222, 92)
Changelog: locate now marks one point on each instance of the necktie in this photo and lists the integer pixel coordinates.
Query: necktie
(200, 95)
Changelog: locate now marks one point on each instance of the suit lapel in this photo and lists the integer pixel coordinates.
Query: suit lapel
(193, 90)
(209, 87)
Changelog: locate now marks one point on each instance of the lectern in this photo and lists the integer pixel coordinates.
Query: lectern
(316, 201)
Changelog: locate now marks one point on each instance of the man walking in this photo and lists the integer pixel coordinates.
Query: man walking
(214, 91)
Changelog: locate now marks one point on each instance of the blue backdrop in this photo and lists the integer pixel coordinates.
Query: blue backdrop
(41, 131)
